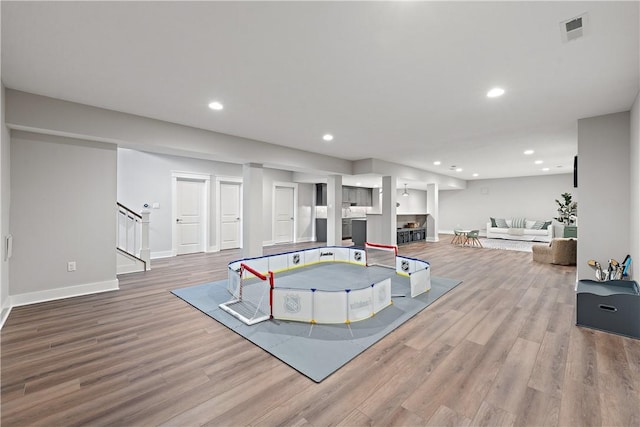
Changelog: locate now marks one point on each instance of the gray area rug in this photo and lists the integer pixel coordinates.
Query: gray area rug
(315, 350)
(509, 245)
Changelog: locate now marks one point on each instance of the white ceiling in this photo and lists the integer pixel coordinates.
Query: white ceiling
(400, 81)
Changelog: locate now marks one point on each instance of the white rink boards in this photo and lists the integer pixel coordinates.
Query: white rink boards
(335, 286)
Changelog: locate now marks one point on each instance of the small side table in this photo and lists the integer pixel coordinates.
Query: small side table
(570, 231)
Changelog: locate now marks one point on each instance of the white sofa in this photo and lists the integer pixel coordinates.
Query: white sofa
(526, 233)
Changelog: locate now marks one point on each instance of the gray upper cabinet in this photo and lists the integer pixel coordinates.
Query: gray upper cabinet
(364, 197)
(356, 196)
(321, 194)
(350, 195)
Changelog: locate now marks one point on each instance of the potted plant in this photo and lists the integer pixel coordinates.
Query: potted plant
(567, 210)
(567, 214)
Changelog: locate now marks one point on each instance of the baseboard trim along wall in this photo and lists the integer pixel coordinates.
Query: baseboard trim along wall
(4, 316)
(162, 254)
(61, 293)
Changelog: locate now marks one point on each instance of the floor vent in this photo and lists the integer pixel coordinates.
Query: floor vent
(574, 28)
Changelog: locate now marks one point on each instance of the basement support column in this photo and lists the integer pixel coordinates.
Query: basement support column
(334, 210)
(252, 177)
(432, 211)
(389, 218)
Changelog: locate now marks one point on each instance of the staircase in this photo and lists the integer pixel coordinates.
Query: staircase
(132, 250)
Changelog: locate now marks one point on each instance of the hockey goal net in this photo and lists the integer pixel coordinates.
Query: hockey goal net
(251, 295)
(381, 255)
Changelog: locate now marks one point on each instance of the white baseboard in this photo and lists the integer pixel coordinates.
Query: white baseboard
(268, 243)
(432, 239)
(126, 269)
(162, 254)
(61, 293)
(5, 315)
(212, 249)
(305, 239)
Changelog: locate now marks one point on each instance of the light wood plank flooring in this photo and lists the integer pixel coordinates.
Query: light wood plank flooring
(502, 349)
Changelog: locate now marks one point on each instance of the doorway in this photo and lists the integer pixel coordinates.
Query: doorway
(190, 213)
(230, 224)
(284, 213)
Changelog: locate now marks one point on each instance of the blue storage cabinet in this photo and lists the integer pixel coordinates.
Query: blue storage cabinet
(612, 306)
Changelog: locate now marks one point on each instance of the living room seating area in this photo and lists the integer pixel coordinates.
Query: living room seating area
(561, 251)
(520, 229)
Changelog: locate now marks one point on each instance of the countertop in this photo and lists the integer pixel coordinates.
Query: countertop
(410, 228)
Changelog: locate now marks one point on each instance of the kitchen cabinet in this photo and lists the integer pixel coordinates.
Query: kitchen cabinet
(359, 231)
(321, 229)
(364, 197)
(346, 228)
(321, 194)
(355, 196)
(408, 235)
(350, 195)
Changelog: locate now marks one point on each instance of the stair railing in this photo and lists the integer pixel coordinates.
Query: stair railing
(133, 233)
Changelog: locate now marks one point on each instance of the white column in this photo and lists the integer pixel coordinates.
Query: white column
(145, 252)
(334, 210)
(388, 209)
(432, 210)
(252, 177)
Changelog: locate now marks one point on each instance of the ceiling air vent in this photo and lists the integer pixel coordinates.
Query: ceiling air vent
(574, 28)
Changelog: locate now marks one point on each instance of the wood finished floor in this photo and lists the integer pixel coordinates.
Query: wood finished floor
(502, 349)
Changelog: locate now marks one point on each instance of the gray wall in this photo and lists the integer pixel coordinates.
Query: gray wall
(634, 200)
(63, 195)
(4, 210)
(34, 112)
(604, 185)
(529, 197)
(146, 178)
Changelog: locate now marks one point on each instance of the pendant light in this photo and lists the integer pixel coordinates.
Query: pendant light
(405, 193)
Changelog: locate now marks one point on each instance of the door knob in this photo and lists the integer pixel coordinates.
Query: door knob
(178, 220)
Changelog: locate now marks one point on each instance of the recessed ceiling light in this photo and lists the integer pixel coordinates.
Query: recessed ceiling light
(545, 169)
(459, 170)
(215, 105)
(327, 137)
(529, 152)
(437, 163)
(475, 174)
(538, 162)
(495, 92)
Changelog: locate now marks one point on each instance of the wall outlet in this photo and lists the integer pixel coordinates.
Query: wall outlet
(71, 266)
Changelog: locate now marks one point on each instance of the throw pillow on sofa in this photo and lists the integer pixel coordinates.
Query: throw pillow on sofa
(541, 225)
(538, 225)
(501, 223)
(518, 222)
(493, 222)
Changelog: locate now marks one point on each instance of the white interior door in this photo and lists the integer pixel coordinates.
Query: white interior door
(189, 216)
(284, 215)
(230, 219)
